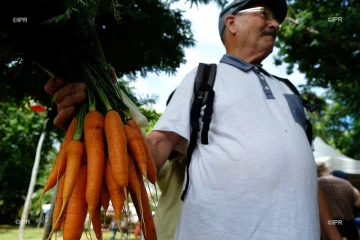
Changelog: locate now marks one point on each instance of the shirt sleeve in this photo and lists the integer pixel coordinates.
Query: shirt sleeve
(176, 117)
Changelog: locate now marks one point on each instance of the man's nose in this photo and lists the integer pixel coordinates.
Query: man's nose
(274, 24)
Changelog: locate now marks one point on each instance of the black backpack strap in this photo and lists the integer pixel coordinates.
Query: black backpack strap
(203, 95)
(209, 102)
(190, 150)
(288, 84)
(199, 92)
(309, 106)
(306, 103)
(170, 97)
(309, 130)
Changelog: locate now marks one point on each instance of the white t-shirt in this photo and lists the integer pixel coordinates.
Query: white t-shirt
(256, 179)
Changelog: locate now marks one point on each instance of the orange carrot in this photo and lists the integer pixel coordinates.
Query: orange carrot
(60, 162)
(96, 221)
(58, 204)
(133, 124)
(74, 153)
(105, 197)
(76, 208)
(144, 212)
(134, 185)
(116, 193)
(117, 146)
(150, 164)
(136, 148)
(95, 151)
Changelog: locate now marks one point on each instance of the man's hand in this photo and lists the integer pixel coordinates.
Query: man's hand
(66, 98)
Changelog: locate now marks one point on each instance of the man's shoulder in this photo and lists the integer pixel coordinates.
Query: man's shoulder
(333, 179)
(226, 70)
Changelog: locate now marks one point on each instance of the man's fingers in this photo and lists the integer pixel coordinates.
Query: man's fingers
(72, 100)
(68, 90)
(66, 98)
(112, 73)
(53, 85)
(63, 117)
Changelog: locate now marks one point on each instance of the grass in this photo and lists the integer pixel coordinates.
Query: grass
(9, 232)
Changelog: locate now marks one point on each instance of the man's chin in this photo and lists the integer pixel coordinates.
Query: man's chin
(267, 51)
(270, 37)
(268, 43)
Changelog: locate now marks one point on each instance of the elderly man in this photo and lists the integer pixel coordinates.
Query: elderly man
(257, 131)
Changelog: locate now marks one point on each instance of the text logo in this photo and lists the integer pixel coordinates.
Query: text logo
(19, 20)
(334, 19)
(26, 221)
(335, 222)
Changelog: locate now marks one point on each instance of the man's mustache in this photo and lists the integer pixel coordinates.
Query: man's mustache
(270, 32)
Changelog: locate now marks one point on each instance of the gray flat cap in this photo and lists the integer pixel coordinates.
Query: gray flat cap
(279, 7)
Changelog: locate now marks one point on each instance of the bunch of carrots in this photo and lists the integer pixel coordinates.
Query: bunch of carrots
(104, 156)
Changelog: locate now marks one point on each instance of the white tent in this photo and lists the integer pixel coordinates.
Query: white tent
(333, 159)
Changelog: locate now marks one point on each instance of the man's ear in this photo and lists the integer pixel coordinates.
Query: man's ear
(230, 23)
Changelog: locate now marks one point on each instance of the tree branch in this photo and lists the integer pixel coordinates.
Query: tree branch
(293, 20)
(338, 62)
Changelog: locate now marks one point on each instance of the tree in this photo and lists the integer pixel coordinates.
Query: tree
(327, 52)
(331, 123)
(149, 36)
(27, 205)
(133, 43)
(20, 129)
(48, 224)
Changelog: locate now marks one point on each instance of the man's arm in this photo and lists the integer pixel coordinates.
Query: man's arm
(161, 144)
(328, 232)
(357, 197)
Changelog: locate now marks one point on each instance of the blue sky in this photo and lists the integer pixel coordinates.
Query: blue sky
(208, 49)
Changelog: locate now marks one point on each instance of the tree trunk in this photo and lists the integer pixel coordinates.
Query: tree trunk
(24, 217)
(48, 224)
(40, 219)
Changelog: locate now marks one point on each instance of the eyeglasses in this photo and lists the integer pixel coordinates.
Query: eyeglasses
(267, 13)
